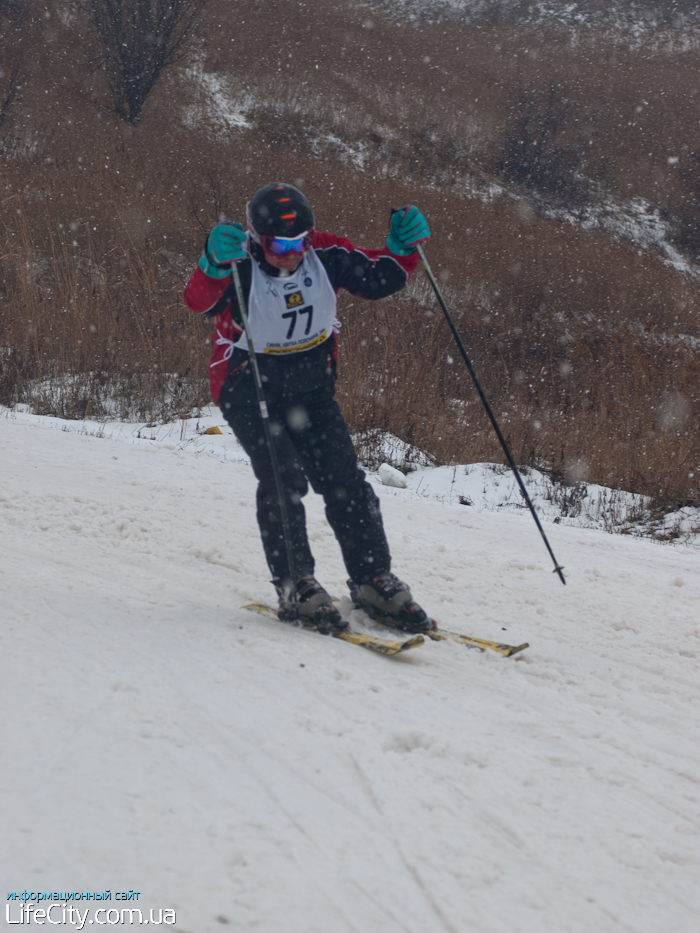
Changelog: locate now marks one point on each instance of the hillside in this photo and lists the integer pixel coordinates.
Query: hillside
(557, 162)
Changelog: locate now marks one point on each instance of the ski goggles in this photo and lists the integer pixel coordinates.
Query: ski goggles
(281, 245)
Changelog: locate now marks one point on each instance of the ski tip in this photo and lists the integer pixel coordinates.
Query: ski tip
(401, 646)
(412, 642)
(516, 648)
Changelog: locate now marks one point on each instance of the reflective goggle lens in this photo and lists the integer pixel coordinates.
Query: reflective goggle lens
(279, 245)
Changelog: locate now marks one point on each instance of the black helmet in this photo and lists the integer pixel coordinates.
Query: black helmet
(279, 210)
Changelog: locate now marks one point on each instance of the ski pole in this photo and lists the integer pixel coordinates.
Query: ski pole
(265, 415)
(558, 569)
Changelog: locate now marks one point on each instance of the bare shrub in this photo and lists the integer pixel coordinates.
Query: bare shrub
(534, 155)
(686, 220)
(9, 90)
(139, 39)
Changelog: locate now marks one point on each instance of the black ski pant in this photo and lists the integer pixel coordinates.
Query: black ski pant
(312, 445)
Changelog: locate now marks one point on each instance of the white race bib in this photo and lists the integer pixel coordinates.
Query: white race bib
(293, 313)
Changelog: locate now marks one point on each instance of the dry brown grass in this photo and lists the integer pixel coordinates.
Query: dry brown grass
(89, 332)
(581, 341)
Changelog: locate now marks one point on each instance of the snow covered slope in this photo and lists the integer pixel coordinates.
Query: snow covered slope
(250, 775)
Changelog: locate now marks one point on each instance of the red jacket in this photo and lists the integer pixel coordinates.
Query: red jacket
(374, 273)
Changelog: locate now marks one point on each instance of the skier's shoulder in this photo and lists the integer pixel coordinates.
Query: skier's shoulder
(322, 242)
(340, 252)
(331, 243)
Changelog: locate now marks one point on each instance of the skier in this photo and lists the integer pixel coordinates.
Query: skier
(290, 275)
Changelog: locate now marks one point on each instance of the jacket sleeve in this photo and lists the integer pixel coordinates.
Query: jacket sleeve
(214, 297)
(203, 293)
(365, 273)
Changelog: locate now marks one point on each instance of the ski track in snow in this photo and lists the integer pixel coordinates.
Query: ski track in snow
(157, 737)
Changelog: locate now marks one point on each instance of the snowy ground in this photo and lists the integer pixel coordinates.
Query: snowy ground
(246, 774)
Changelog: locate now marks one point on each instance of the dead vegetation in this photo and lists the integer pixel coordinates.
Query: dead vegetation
(587, 345)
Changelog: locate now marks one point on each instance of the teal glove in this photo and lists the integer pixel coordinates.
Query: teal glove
(408, 228)
(225, 245)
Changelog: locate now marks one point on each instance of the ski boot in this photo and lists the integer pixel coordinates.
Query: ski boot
(309, 603)
(388, 600)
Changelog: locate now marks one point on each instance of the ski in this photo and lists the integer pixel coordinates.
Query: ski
(385, 646)
(482, 644)
(439, 634)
